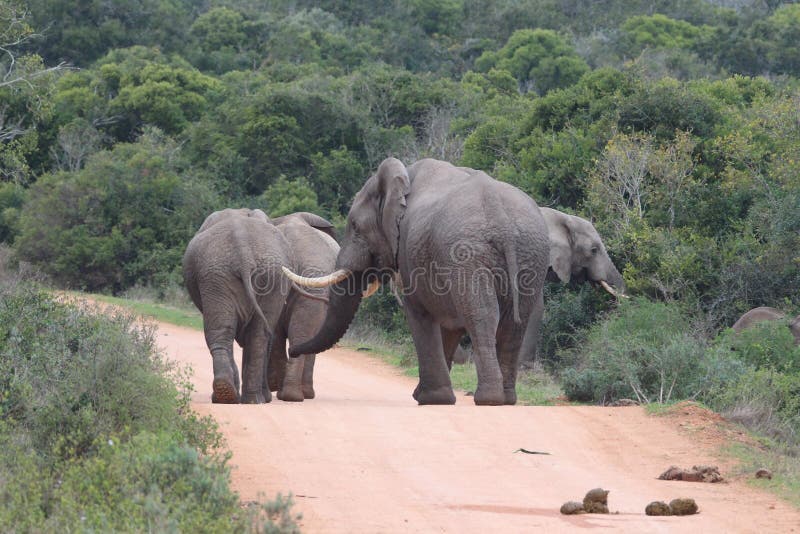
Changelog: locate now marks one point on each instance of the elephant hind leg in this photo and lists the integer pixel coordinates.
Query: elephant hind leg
(510, 340)
(483, 317)
(450, 340)
(254, 355)
(219, 331)
(276, 367)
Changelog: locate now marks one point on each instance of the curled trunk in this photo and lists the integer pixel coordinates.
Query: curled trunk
(345, 296)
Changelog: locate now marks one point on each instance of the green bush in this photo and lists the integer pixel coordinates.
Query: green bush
(96, 431)
(567, 315)
(764, 400)
(645, 351)
(766, 345)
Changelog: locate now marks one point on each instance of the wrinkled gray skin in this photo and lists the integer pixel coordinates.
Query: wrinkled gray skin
(231, 269)
(576, 251)
(443, 229)
(766, 313)
(314, 251)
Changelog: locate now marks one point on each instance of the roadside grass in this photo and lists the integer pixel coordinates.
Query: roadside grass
(146, 308)
(784, 465)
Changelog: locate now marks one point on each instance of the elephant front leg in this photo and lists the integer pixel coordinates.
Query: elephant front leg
(308, 376)
(434, 378)
(292, 390)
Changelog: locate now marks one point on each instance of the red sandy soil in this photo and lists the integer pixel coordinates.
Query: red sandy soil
(363, 457)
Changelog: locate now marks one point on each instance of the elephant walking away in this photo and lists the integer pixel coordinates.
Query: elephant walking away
(766, 313)
(313, 252)
(576, 252)
(231, 269)
(471, 253)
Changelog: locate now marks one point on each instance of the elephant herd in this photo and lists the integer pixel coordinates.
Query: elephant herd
(464, 254)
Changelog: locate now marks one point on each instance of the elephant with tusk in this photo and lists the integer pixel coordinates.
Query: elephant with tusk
(469, 255)
(576, 251)
(312, 249)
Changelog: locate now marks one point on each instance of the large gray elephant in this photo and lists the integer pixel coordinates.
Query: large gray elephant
(314, 250)
(576, 252)
(231, 269)
(470, 254)
(765, 313)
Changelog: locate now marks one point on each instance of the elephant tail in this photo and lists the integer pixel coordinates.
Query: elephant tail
(513, 274)
(247, 279)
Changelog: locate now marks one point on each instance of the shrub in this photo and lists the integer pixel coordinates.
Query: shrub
(568, 314)
(766, 345)
(764, 400)
(96, 432)
(644, 351)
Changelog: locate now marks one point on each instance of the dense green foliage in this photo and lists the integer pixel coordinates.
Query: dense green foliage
(673, 124)
(96, 432)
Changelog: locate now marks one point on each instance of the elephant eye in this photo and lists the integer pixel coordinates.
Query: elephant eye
(594, 250)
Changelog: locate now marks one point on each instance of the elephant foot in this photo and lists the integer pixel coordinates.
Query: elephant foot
(308, 392)
(486, 396)
(510, 396)
(224, 392)
(291, 394)
(440, 395)
(274, 381)
(255, 398)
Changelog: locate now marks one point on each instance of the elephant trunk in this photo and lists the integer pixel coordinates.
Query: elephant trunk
(345, 297)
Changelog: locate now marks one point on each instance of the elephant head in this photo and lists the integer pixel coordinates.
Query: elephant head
(576, 250)
(368, 252)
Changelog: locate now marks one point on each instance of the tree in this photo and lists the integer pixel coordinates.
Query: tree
(125, 218)
(540, 60)
(25, 82)
(288, 196)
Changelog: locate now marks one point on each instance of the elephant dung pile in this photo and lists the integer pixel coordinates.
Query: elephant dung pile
(681, 506)
(595, 502)
(698, 473)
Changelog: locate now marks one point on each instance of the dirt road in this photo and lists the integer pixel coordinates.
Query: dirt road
(363, 457)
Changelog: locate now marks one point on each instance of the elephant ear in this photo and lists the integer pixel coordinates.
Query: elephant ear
(315, 221)
(320, 223)
(393, 186)
(560, 244)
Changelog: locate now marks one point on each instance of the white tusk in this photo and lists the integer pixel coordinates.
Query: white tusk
(612, 291)
(396, 284)
(374, 286)
(320, 281)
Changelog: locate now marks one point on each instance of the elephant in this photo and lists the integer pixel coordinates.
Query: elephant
(314, 249)
(576, 252)
(766, 313)
(469, 255)
(231, 269)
